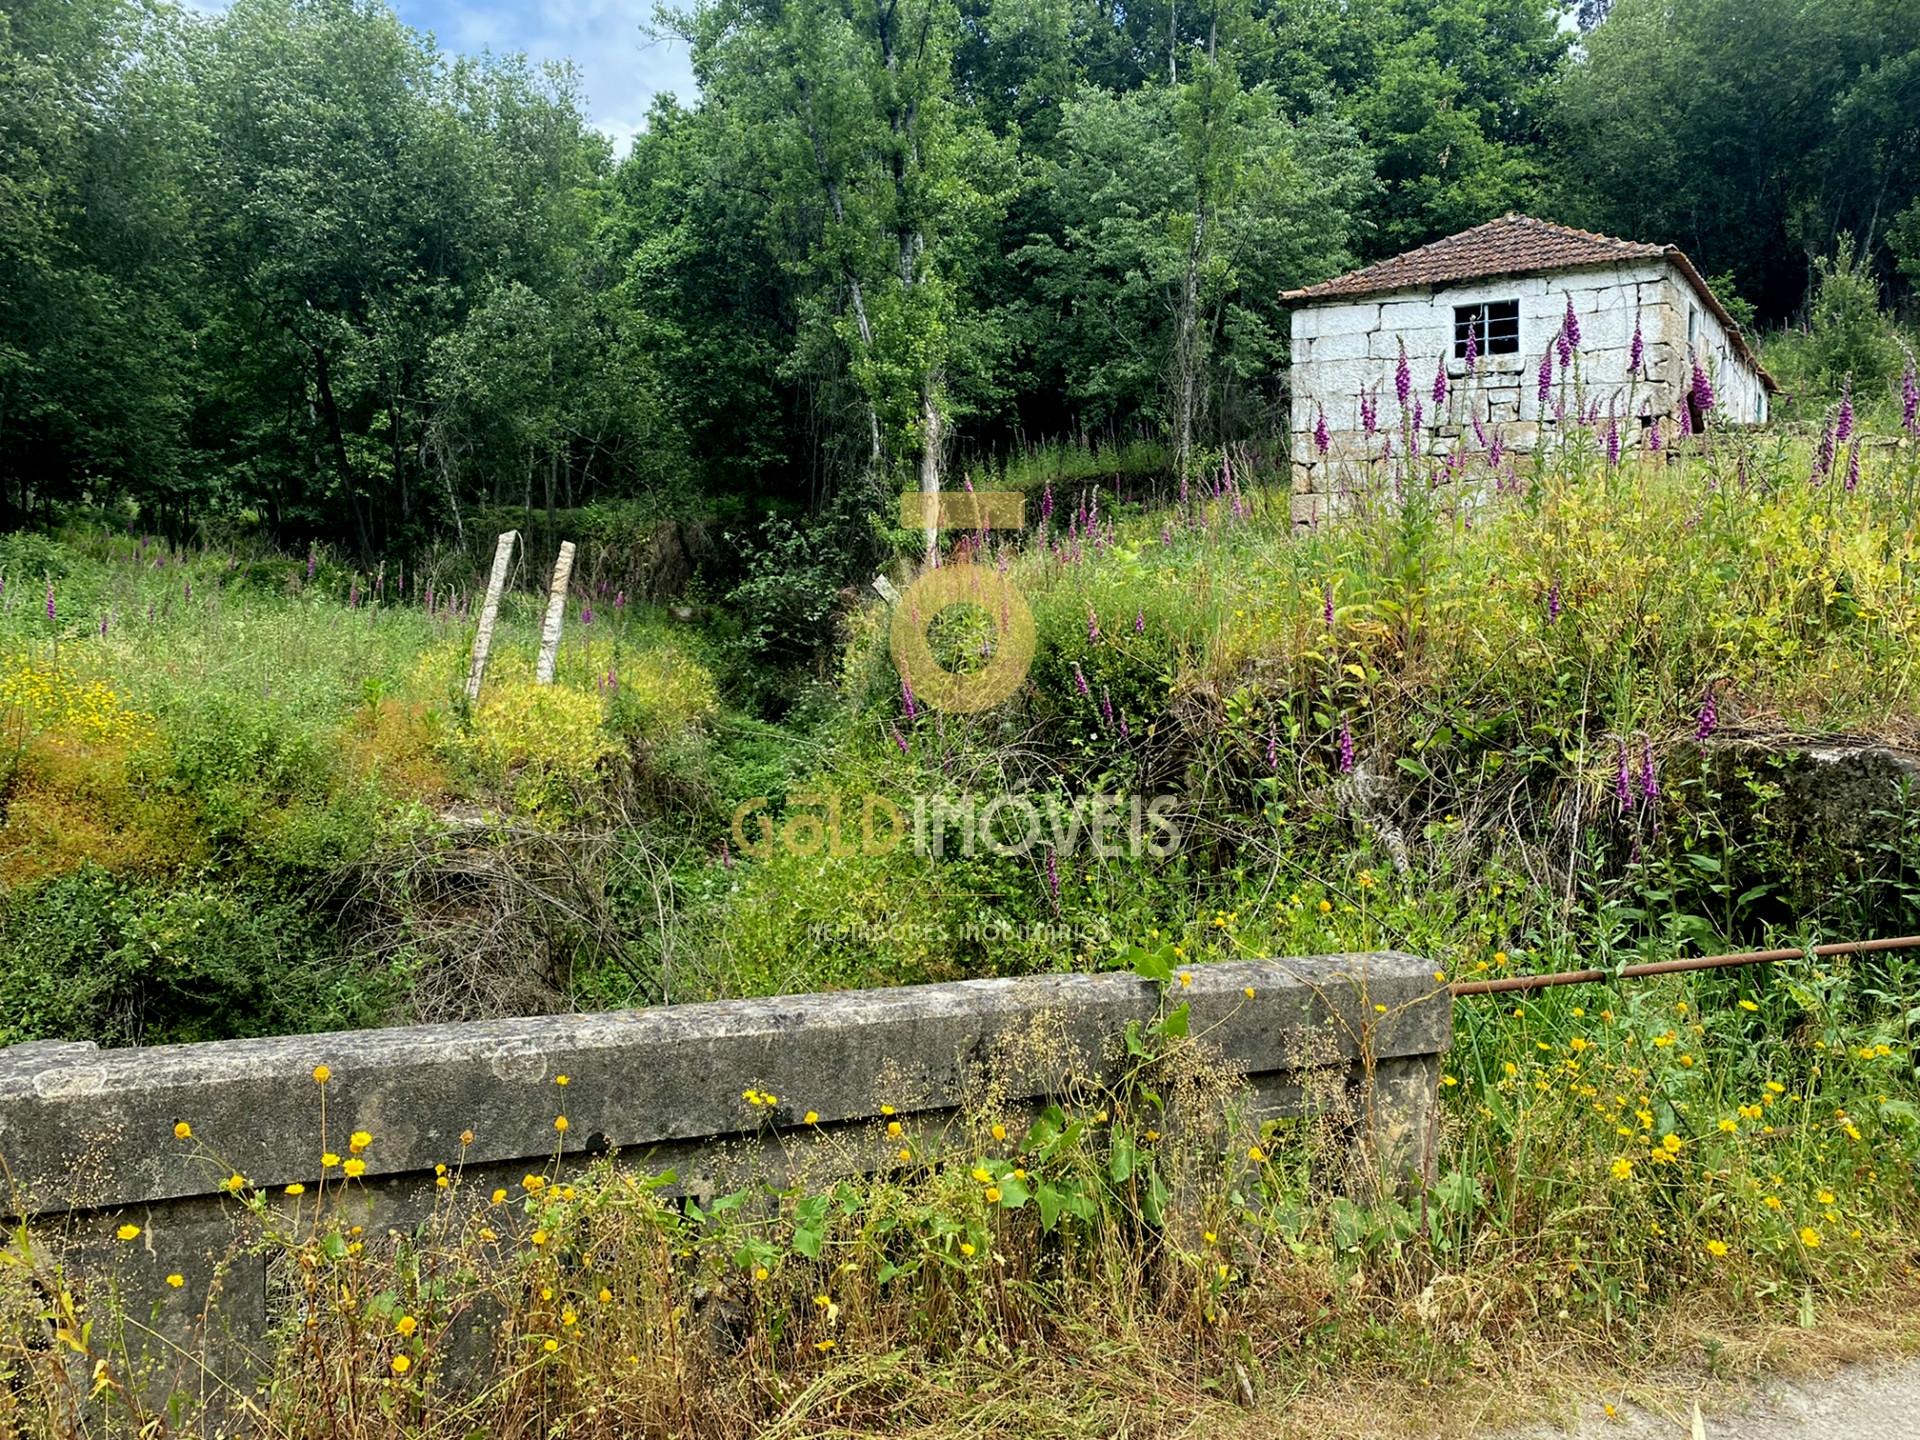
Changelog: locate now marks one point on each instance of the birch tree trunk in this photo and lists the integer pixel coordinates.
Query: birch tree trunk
(930, 435)
(1186, 347)
(556, 612)
(490, 612)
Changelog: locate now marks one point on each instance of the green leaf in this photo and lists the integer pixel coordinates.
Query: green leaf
(1154, 965)
(1051, 1203)
(1174, 1025)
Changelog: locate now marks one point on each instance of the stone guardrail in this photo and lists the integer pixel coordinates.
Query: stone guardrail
(87, 1137)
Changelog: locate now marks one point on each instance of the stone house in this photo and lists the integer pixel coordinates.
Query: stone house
(1489, 306)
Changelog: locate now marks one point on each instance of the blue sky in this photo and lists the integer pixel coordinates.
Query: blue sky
(621, 69)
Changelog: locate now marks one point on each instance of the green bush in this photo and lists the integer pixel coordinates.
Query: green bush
(91, 957)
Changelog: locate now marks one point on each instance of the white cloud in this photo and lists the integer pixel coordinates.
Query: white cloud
(621, 66)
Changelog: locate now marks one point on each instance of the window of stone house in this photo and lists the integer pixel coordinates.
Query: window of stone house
(1496, 324)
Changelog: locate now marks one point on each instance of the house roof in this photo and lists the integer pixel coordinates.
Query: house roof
(1518, 245)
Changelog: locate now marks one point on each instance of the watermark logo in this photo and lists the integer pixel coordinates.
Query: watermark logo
(1009, 655)
(1105, 826)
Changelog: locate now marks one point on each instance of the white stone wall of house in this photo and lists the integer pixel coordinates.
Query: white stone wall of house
(1344, 347)
(1739, 397)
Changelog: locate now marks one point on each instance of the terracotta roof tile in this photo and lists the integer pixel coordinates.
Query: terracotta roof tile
(1511, 245)
(1517, 245)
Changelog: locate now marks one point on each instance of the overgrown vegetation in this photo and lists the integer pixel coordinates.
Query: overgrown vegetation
(292, 267)
(246, 793)
(1142, 1253)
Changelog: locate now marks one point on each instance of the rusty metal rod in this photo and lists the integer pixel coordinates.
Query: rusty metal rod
(1671, 967)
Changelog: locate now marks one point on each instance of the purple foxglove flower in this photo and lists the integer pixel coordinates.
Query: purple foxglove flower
(1570, 326)
(1166, 532)
(898, 738)
(613, 680)
(313, 559)
(1843, 423)
(1649, 778)
(1402, 378)
(1613, 441)
(1046, 503)
(1321, 440)
(1823, 456)
(1053, 876)
(619, 599)
(1623, 786)
(1702, 390)
(1326, 604)
(1106, 705)
(1637, 351)
(1653, 435)
(1346, 748)
(1419, 416)
(1370, 414)
(1080, 681)
(1093, 627)
(1473, 346)
(586, 613)
(906, 698)
(1709, 719)
(1439, 386)
(1853, 467)
(1910, 397)
(1686, 419)
(1563, 347)
(1495, 450)
(1553, 602)
(1139, 622)
(1546, 375)
(1125, 734)
(1273, 751)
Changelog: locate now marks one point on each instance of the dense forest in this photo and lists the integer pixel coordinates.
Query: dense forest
(294, 268)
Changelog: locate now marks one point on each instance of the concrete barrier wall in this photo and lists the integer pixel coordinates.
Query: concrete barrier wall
(87, 1137)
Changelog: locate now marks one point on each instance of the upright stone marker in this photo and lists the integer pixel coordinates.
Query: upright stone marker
(556, 612)
(489, 612)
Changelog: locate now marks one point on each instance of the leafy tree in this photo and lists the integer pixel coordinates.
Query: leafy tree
(1183, 211)
(1751, 132)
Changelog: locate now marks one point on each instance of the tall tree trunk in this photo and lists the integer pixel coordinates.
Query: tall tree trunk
(553, 466)
(1186, 347)
(337, 442)
(931, 427)
(399, 452)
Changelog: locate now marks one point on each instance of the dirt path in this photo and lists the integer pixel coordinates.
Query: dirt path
(1867, 1402)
